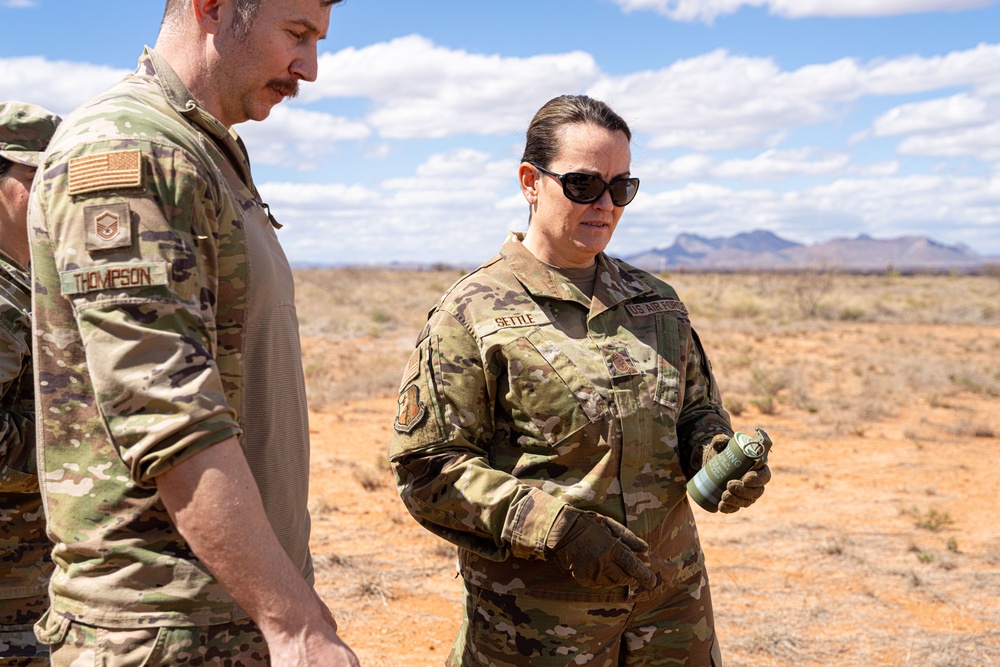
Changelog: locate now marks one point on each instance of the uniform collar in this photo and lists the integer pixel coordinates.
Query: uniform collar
(611, 285)
(153, 65)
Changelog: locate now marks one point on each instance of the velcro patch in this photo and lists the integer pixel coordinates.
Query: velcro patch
(106, 171)
(623, 364)
(511, 320)
(653, 307)
(108, 226)
(411, 411)
(112, 276)
(412, 369)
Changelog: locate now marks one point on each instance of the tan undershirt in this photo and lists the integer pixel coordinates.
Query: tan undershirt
(583, 278)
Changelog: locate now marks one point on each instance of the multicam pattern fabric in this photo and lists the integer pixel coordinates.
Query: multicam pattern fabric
(239, 643)
(144, 228)
(538, 397)
(25, 131)
(20, 648)
(25, 564)
(514, 630)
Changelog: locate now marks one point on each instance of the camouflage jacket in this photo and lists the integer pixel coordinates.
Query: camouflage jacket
(165, 324)
(520, 398)
(24, 549)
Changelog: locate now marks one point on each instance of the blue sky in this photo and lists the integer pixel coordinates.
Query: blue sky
(748, 114)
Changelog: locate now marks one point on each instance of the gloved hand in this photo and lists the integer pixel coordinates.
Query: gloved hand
(745, 491)
(599, 552)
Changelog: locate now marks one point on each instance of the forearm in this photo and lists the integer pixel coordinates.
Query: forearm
(216, 506)
(458, 496)
(702, 416)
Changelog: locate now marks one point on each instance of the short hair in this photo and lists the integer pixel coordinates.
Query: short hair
(542, 141)
(246, 12)
(5, 166)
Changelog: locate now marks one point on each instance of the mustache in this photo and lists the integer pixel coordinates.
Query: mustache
(288, 87)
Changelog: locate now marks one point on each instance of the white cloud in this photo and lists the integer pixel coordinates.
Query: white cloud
(959, 125)
(19, 4)
(299, 138)
(707, 11)
(771, 165)
(946, 208)
(454, 208)
(420, 90)
(719, 101)
(58, 85)
(982, 142)
(952, 112)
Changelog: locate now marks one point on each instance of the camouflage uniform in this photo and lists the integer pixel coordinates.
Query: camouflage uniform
(25, 563)
(166, 325)
(524, 395)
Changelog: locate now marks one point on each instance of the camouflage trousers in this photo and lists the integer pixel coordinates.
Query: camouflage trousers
(500, 630)
(238, 644)
(18, 646)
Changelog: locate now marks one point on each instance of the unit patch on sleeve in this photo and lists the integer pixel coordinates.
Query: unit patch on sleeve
(106, 171)
(111, 277)
(411, 411)
(108, 226)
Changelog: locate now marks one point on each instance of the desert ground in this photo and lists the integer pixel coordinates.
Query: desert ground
(876, 543)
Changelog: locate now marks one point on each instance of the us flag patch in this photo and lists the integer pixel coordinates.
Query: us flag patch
(106, 171)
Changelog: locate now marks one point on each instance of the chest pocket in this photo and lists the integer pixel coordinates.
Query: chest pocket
(672, 334)
(549, 397)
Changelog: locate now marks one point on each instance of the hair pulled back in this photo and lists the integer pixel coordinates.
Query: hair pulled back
(542, 142)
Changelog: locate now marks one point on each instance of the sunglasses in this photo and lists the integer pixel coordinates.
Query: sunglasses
(587, 188)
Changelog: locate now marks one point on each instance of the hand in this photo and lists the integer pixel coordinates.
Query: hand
(745, 491)
(599, 552)
(324, 647)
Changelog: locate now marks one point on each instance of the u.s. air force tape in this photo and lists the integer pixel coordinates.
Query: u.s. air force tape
(112, 277)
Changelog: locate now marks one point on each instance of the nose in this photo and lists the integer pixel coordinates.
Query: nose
(306, 66)
(604, 202)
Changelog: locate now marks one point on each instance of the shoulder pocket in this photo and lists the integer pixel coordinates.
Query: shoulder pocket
(419, 415)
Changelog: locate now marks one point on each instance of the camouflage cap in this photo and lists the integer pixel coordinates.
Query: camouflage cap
(25, 131)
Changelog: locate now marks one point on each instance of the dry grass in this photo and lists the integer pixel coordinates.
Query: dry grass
(845, 362)
(757, 328)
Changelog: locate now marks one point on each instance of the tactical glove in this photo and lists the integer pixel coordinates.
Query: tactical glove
(599, 552)
(745, 491)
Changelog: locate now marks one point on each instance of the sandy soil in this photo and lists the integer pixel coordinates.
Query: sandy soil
(876, 544)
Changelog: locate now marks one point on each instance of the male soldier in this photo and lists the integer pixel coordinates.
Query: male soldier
(25, 564)
(173, 450)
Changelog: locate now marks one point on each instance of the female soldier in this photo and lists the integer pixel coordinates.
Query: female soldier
(556, 404)
(25, 565)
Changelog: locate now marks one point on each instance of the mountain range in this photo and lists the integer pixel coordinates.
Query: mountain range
(763, 250)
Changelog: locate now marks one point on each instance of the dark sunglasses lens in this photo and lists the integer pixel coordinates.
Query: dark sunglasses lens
(622, 192)
(582, 188)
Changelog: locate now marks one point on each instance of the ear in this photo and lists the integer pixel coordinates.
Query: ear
(212, 15)
(528, 178)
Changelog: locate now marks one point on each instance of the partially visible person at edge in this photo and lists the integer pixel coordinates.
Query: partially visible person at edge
(25, 563)
(556, 404)
(173, 436)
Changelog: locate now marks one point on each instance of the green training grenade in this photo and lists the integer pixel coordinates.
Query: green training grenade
(743, 454)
